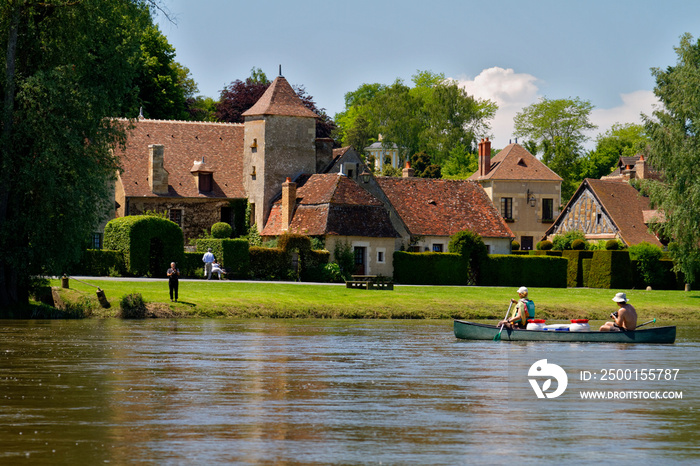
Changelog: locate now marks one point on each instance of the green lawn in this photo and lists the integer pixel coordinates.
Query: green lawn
(238, 299)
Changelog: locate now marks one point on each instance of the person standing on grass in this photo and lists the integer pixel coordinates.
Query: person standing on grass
(173, 281)
(208, 259)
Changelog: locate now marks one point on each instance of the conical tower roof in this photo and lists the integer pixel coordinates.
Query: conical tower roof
(280, 99)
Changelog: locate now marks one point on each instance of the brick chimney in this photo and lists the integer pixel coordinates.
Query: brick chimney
(640, 168)
(289, 200)
(407, 172)
(484, 157)
(157, 175)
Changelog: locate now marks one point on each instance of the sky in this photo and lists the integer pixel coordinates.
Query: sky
(513, 52)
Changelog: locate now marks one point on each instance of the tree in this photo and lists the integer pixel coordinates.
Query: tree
(674, 130)
(239, 96)
(622, 140)
(164, 84)
(69, 66)
(557, 126)
(461, 164)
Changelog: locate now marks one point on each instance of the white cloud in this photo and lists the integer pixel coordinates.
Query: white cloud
(633, 105)
(511, 91)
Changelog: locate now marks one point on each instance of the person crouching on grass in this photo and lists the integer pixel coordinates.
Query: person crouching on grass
(625, 317)
(524, 310)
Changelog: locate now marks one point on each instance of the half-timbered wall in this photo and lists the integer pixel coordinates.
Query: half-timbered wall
(588, 216)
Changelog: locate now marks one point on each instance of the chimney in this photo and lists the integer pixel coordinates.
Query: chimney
(157, 175)
(484, 157)
(407, 172)
(289, 200)
(640, 168)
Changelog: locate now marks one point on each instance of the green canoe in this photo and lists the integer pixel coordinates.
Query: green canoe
(473, 331)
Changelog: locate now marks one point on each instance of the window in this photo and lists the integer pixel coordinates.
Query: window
(437, 247)
(96, 242)
(380, 257)
(175, 215)
(205, 182)
(526, 243)
(507, 208)
(547, 209)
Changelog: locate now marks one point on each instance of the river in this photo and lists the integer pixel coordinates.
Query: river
(107, 391)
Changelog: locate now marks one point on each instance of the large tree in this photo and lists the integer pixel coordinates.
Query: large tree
(69, 66)
(239, 96)
(622, 140)
(674, 131)
(558, 127)
(434, 116)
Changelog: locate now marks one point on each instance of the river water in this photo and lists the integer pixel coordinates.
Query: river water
(103, 391)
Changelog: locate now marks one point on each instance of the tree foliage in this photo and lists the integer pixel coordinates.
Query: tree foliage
(622, 140)
(68, 66)
(434, 116)
(558, 127)
(674, 130)
(239, 96)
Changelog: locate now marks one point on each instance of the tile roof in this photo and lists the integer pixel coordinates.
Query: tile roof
(185, 143)
(332, 204)
(625, 207)
(280, 99)
(444, 207)
(514, 162)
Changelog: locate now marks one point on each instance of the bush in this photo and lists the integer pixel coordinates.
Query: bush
(100, 263)
(544, 245)
(578, 245)
(613, 245)
(221, 230)
(232, 253)
(269, 264)
(528, 270)
(313, 266)
(149, 243)
(429, 268)
(563, 242)
(345, 258)
(514, 246)
(647, 261)
(470, 246)
(332, 273)
(133, 306)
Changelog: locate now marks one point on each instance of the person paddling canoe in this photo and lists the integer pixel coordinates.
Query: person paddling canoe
(524, 310)
(625, 317)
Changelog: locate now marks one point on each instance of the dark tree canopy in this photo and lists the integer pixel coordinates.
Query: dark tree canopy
(68, 66)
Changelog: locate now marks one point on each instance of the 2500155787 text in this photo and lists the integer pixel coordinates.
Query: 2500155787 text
(630, 374)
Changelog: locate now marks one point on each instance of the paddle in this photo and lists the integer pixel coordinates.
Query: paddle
(498, 335)
(642, 325)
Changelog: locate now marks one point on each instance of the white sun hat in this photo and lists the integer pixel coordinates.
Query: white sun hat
(620, 298)
(522, 290)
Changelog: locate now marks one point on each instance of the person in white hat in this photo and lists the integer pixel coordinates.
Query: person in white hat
(625, 318)
(524, 310)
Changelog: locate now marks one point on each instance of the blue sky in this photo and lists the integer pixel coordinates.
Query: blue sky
(511, 51)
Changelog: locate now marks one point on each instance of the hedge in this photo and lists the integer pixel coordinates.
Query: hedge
(610, 269)
(429, 268)
(517, 270)
(100, 263)
(545, 252)
(270, 264)
(149, 243)
(574, 272)
(192, 265)
(233, 254)
(314, 265)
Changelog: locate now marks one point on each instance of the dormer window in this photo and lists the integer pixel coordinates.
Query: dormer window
(205, 182)
(204, 176)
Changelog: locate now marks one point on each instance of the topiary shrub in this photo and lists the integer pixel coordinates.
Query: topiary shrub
(233, 254)
(563, 242)
(578, 245)
(514, 246)
(545, 245)
(221, 230)
(516, 270)
(610, 269)
(647, 259)
(429, 268)
(470, 246)
(149, 243)
(132, 306)
(612, 245)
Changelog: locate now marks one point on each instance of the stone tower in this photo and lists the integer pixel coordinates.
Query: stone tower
(279, 142)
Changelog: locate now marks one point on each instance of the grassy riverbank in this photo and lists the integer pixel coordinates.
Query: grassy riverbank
(289, 300)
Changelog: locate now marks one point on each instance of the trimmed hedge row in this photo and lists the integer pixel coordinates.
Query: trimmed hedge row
(233, 254)
(574, 271)
(610, 269)
(314, 265)
(530, 270)
(270, 264)
(100, 263)
(429, 268)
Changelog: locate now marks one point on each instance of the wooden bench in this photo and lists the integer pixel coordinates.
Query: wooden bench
(369, 282)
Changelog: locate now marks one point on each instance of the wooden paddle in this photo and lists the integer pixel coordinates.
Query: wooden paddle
(498, 335)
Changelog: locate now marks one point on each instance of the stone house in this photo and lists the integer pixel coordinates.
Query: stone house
(630, 168)
(607, 209)
(524, 190)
